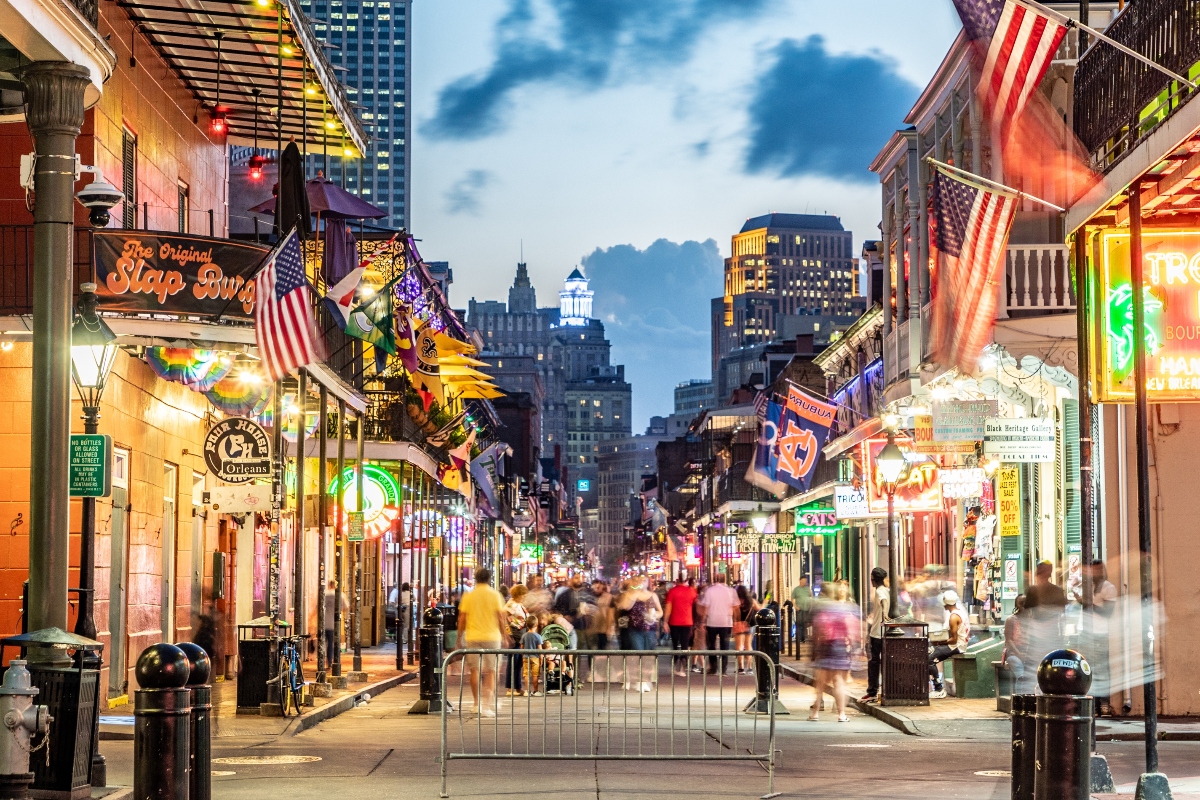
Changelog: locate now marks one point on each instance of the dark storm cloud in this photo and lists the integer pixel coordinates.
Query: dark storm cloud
(814, 113)
(585, 44)
(655, 307)
(463, 195)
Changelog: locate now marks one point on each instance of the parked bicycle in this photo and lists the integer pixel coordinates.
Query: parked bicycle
(291, 675)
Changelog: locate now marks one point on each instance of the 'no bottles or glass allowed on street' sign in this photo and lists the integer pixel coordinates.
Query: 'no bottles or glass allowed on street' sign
(238, 450)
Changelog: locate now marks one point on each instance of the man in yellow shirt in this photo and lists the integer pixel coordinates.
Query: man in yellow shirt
(481, 626)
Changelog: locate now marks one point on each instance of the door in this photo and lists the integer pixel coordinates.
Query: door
(118, 577)
(167, 592)
(198, 549)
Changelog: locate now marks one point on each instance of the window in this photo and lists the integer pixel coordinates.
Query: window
(129, 176)
(184, 207)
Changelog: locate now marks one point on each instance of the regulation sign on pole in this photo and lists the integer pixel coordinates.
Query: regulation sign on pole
(91, 458)
(357, 527)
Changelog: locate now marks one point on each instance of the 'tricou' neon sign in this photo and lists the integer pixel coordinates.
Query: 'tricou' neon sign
(381, 497)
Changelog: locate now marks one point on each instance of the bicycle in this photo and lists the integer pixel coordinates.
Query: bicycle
(290, 676)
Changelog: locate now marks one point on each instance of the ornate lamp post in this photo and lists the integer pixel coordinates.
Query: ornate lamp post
(891, 464)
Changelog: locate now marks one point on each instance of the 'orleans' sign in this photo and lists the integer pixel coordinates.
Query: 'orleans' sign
(144, 271)
(237, 450)
(1171, 268)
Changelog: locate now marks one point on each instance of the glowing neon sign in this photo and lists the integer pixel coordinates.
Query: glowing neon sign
(381, 498)
(917, 490)
(1171, 268)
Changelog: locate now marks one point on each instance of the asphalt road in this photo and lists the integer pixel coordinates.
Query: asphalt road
(380, 751)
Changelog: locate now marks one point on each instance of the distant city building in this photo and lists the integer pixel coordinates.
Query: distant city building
(785, 269)
(598, 409)
(575, 301)
(694, 396)
(620, 466)
(440, 271)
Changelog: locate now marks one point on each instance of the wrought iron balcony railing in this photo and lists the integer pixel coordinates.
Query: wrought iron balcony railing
(1119, 100)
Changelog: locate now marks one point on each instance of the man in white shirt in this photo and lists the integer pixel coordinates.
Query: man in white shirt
(958, 625)
(717, 604)
(880, 605)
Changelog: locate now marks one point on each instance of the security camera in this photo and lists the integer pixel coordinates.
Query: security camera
(99, 196)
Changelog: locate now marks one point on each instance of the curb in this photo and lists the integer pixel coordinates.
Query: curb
(897, 721)
(343, 704)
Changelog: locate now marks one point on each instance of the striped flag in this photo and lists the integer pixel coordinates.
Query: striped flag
(1020, 45)
(283, 318)
(972, 225)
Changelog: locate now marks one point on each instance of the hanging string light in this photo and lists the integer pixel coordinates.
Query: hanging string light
(256, 161)
(219, 124)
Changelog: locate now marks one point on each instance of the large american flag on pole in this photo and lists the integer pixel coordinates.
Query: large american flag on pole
(283, 318)
(1021, 44)
(972, 225)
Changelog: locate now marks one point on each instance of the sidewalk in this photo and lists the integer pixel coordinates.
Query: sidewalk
(378, 662)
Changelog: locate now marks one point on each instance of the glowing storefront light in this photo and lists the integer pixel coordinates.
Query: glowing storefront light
(381, 497)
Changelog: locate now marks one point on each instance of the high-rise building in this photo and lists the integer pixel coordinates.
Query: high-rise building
(369, 40)
(785, 269)
(621, 465)
(694, 396)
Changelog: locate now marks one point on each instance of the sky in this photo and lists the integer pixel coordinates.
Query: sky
(634, 138)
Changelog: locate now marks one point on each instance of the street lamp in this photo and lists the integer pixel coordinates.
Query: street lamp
(891, 464)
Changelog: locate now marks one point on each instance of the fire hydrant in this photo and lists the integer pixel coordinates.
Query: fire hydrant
(22, 719)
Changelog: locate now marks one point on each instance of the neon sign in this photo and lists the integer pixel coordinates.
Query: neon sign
(815, 519)
(1172, 308)
(918, 490)
(381, 498)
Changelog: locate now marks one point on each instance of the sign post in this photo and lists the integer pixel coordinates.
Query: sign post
(91, 460)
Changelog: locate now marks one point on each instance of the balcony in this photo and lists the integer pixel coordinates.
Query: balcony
(16, 266)
(1037, 280)
(1118, 100)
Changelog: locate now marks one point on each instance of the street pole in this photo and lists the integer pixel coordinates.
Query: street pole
(358, 548)
(339, 541)
(414, 596)
(322, 528)
(54, 115)
(1152, 784)
(398, 546)
(85, 622)
(893, 554)
(299, 617)
(1087, 489)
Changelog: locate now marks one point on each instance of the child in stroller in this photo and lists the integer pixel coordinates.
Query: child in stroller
(560, 669)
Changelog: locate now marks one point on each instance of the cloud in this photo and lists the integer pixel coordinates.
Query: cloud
(582, 44)
(814, 113)
(463, 195)
(655, 306)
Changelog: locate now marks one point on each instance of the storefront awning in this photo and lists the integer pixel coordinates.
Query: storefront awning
(372, 451)
(862, 432)
(804, 498)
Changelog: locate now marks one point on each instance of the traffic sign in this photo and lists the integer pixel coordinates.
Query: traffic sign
(91, 460)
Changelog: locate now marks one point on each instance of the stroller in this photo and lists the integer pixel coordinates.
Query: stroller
(560, 669)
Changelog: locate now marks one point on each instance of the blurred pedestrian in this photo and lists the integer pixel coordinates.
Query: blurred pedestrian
(1015, 644)
(802, 601)
(482, 626)
(515, 616)
(643, 614)
(718, 603)
(835, 635)
(958, 628)
(679, 614)
(1096, 618)
(746, 608)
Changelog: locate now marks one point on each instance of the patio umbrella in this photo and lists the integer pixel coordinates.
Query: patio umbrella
(329, 200)
(340, 255)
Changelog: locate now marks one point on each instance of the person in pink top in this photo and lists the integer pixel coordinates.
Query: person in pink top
(680, 601)
(718, 601)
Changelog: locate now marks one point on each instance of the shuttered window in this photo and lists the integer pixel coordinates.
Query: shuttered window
(129, 176)
(183, 207)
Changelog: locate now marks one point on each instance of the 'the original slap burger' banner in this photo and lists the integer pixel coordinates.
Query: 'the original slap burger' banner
(150, 271)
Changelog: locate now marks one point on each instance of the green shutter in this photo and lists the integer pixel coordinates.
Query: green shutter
(1072, 517)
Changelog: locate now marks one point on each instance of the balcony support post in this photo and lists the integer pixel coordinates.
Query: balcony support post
(915, 268)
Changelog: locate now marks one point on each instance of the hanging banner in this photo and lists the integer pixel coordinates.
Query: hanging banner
(764, 467)
(925, 441)
(1008, 501)
(1024, 439)
(803, 429)
(166, 273)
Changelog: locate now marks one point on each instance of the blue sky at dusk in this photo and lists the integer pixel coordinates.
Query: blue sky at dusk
(634, 138)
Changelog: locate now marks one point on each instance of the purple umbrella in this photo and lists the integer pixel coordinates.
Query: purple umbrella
(329, 200)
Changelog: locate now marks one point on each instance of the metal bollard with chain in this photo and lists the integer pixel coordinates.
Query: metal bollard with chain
(22, 718)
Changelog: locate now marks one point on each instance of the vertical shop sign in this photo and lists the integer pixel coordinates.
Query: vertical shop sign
(1008, 500)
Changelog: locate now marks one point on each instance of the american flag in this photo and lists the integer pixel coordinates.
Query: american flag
(1021, 44)
(283, 320)
(972, 231)
(760, 405)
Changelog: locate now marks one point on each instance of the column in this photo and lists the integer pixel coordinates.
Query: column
(914, 198)
(898, 233)
(54, 93)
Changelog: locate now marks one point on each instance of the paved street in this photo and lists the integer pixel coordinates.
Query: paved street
(380, 751)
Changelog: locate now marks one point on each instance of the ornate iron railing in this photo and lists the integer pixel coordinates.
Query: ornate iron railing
(1119, 100)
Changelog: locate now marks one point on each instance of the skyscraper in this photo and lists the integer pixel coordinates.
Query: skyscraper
(369, 39)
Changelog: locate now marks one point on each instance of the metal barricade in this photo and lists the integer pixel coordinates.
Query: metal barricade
(606, 705)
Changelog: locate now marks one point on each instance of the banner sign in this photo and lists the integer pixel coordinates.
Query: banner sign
(166, 273)
(766, 543)
(850, 502)
(917, 490)
(1171, 266)
(962, 420)
(962, 482)
(238, 450)
(924, 440)
(802, 432)
(1023, 439)
(815, 519)
(1008, 501)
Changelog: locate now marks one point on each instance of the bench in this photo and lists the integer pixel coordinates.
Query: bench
(970, 676)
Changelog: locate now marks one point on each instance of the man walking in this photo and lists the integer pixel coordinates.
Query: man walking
(678, 611)
(802, 601)
(718, 602)
(880, 605)
(481, 626)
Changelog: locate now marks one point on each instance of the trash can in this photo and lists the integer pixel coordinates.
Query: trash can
(905, 664)
(256, 652)
(71, 693)
(449, 626)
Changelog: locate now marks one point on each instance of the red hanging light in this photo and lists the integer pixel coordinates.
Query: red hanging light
(256, 167)
(220, 122)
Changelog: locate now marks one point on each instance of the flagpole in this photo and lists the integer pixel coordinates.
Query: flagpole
(1071, 23)
(959, 174)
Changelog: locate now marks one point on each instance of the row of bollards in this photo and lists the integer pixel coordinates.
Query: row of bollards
(1052, 733)
(172, 728)
(767, 640)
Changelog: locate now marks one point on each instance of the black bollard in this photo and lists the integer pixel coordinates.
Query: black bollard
(161, 725)
(200, 762)
(767, 641)
(1023, 742)
(430, 644)
(1064, 728)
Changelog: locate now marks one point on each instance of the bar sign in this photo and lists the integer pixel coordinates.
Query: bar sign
(91, 465)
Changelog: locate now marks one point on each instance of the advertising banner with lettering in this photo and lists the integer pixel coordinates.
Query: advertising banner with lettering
(816, 519)
(803, 429)
(1171, 294)
(918, 488)
(1008, 501)
(1020, 439)
(166, 273)
(764, 468)
(962, 420)
(924, 440)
